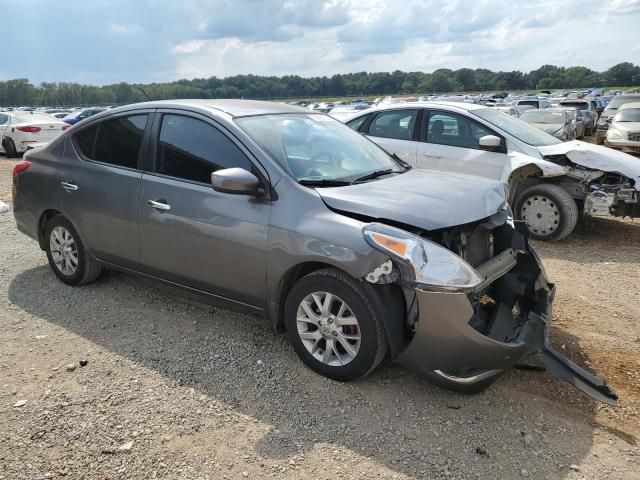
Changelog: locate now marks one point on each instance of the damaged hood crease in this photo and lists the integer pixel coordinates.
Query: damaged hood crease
(425, 199)
(597, 157)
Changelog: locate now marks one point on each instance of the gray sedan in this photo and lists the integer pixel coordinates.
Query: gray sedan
(295, 216)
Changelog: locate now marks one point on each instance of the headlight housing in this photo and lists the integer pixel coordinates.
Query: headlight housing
(426, 264)
(614, 134)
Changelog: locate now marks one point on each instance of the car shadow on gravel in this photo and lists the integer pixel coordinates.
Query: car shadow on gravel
(391, 417)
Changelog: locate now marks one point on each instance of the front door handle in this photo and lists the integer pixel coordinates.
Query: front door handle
(69, 187)
(159, 205)
(431, 155)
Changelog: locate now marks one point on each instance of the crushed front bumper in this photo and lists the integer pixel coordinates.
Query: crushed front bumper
(505, 320)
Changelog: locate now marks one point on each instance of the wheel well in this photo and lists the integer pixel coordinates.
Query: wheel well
(42, 224)
(292, 275)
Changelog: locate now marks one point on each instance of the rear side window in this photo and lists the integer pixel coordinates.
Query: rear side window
(454, 130)
(116, 142)
(394, 124)
(191, 149)
(356, 123)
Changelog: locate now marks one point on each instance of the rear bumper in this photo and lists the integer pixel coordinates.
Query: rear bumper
(493, 329)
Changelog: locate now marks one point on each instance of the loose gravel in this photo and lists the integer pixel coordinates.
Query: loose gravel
(129, 379)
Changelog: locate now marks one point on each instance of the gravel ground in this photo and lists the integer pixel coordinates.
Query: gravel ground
(174, 387)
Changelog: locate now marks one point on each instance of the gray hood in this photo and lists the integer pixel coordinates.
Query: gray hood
(597, 157)
(425, 199)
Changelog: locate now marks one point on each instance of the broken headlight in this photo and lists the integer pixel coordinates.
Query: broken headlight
(422, 262)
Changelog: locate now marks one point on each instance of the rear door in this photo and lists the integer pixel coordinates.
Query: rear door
(449, 142)
(98, 183)
(395, 131)
(189, 233)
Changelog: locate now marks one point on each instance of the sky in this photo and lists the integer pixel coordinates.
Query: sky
(107, 41)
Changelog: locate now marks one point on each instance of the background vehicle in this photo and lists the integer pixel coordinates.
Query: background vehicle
(526, 103)
(550, 183)
(624, 131)
(297, 227)
(608, 113)
(78, 115)
(20, 131)
(554, 121)
(577, 122)
(589, 114)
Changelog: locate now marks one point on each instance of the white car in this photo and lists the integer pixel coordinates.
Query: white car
(21, 131)
(550, 182)
(624, 132)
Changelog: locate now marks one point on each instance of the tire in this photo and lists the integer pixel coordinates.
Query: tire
(466, 384)
(549, 211)
(86, 268)
(337, 364)
(10, 148)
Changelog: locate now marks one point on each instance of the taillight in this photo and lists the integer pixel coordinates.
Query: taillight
(21, 167)
(64, 127)
(29, 129)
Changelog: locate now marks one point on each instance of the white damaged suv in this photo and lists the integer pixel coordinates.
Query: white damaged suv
(551, 183)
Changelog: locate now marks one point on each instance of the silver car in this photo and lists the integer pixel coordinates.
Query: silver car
(295, 216)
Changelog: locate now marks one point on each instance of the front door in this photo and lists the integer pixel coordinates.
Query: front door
(189, 233)
(449, 142)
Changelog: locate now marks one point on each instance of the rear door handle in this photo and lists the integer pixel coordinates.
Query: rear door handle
(430, 155)
(69, 187)
(159, 205)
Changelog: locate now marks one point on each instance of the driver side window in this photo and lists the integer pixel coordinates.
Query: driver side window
(444, 128)
(396, 124)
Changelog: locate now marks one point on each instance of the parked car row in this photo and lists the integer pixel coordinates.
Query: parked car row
(356, 253)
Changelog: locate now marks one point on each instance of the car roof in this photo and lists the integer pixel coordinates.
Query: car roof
(629, 105)
(432, 104)
(234, 108)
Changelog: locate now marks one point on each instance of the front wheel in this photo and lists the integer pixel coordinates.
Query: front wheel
(333, 326)
(549, 211)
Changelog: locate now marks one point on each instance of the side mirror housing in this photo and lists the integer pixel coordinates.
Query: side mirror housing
(236, 181)
(490, 142)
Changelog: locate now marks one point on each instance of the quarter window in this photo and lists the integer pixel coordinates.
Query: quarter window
(192, 149)
(4, 119)
(356, 123)
(454, 130)
(394, 124)
(116, 142)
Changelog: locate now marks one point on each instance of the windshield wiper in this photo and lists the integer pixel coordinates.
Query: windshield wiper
(323, 182)
(401, 162)
(376, 174)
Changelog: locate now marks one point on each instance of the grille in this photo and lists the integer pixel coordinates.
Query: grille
(478, 248)
(634, 136)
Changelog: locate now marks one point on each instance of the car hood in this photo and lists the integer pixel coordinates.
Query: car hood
(596, 157)
(547, 127)
(424, 199)
(626, 126)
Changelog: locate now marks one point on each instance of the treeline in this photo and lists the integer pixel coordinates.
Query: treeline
(21, 92)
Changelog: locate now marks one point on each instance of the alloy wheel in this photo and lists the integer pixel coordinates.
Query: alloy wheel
(328, 328)
(64, 250)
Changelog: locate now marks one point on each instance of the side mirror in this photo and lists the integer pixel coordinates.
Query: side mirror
(489, 142)
(236, 181)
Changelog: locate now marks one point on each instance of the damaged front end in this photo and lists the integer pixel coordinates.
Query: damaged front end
(478, 301)
(605, 181)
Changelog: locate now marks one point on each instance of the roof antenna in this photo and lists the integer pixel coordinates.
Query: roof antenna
(145, 94)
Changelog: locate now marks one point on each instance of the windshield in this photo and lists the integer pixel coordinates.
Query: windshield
(619, 100)
(516, 128)
(313, 147)
(628, 115)
(533, 103)
(541, 116)
(580, 105)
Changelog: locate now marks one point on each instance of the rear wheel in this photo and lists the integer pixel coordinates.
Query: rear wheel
(10, 148)
(549, 211)
(68, 257)
(333, 326)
